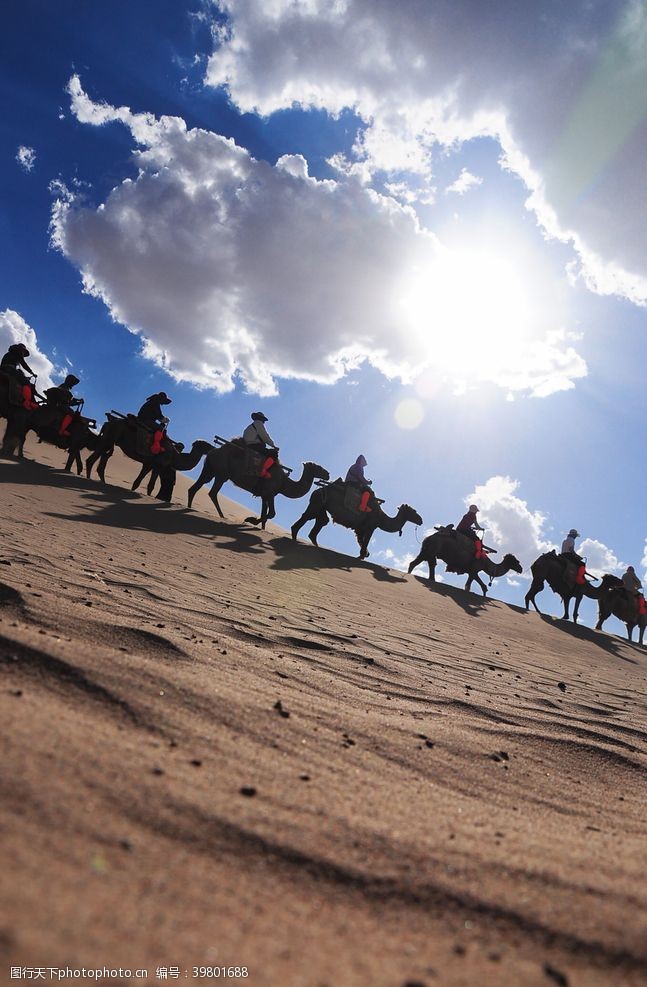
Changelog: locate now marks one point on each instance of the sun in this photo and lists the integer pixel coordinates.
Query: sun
(470, 312)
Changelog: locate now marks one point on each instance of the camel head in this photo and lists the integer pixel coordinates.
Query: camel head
(319, 472)
(409, 514)
(512, 562)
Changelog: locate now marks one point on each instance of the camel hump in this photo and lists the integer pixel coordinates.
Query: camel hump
(444, 527)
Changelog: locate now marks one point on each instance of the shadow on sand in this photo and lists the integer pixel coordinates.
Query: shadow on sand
(117, 507)
(600, 639)
(472, 603)
(297, 555)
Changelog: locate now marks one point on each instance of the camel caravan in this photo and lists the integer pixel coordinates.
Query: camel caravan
(251, 462)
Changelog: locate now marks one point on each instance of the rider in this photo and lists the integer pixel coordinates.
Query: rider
(151, 413)
(258, 438)
(633, 588)
(469, 525)
(569, 554)
(13, 364)
(152, 417)
(61, 399)
(355, 476)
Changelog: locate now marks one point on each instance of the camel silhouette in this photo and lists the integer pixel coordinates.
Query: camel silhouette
(614, 601)
(560, 575)
(457, 552)
(123, 433)
(45, 424)
(229, 463)
(330, 502)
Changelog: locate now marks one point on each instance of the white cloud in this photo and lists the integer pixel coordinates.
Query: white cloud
(392, 560)
(600, 558)
(26, 158)
(560, 86)
(644, 562)
(465, 181)
(228, 268)
(14, 329)
(510, 525)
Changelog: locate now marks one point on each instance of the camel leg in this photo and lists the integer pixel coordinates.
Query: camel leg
(535, 587)
(321, 522)
(567, 606)
(144, 471)
(416, 562)
(151, 483)
(470, 579)
(576, 610)
(205, 475)
(89, 463)
(363, 538)
(307, 515)
(213, 495)
(167, 486)
(101, 468)
(71, 458)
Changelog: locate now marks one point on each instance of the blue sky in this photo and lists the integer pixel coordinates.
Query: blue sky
(423, 241)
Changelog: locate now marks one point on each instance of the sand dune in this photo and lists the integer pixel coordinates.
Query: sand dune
(224, 748)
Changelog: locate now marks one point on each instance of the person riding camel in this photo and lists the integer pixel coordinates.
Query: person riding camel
(60, 399)
(468, 526)
(355, 476)
(153, 418)
(568, 554)
(13, 365)
(257, 437)
(13, 362)
(634, 590)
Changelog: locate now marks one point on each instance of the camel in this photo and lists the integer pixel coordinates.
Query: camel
(613, 600)
(457, 552)
(122, 432)
(80, 436)
(329, 502)
(228, 463)
(20, 422)
(549, 568)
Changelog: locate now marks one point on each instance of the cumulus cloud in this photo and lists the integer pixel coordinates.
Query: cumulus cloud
(26, 158)
(229, 268)
(644, 562)
(465, 181)
(392, 560)
(510, 525)
(14, 329)
(600, 558)
(559, 86)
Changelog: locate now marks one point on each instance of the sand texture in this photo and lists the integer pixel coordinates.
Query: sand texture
(220, 747)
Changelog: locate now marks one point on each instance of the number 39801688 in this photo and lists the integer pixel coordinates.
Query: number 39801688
(221, 972)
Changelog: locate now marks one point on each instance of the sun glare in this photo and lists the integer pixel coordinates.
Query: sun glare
(470, 312)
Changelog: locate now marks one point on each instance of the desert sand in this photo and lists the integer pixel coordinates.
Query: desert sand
(223, 748)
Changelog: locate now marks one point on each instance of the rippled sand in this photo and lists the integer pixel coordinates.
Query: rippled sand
(224, 748)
